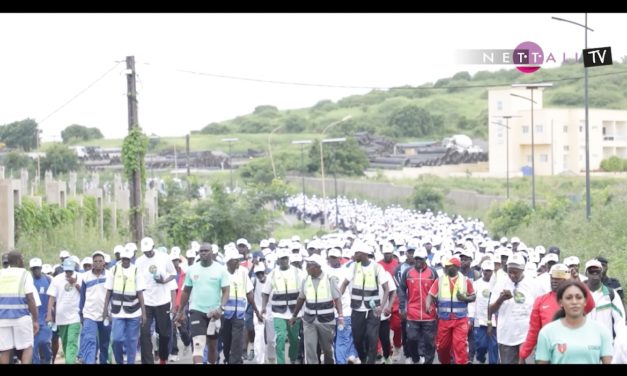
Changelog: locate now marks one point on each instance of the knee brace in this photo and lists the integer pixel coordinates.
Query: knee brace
(199, 345)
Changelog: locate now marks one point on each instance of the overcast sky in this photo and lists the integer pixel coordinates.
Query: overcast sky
(50, 58)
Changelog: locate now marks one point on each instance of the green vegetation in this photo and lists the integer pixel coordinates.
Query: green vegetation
(21, 135)
(59, 159)
(302, 230)
(78, 133)
(426, 197)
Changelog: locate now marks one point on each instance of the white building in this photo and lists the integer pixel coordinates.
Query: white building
(559, 134)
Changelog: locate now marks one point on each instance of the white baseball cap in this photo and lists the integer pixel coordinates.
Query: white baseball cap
(131, 246)
(571, 260)
(264, 243)
(259, 268)
(190, 253)
(560, 271)
(88, 261)
(127, 253)
(35, 263)
(242, 241)
(147, 244)
(231, 254)
(590, 264)
(550, 257)
(487, 265)
(334, 252)
(515, 239)
(118, 249)
(421, 252)
(64, 254)
(96, 253)
(47, 269)
(315, 258)
(516, 261)
(175, 251)
(295, 257)
(296, 238)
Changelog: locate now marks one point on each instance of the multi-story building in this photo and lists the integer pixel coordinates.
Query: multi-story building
(559, 134)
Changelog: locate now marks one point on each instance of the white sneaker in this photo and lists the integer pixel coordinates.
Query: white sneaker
(409, 361)
(173, 358)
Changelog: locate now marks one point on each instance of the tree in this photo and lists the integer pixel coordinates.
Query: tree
(427, 198)
(345, 158)
(411, 121)
(15, 161)
(21, 134)
(59, 159)
(75, 132)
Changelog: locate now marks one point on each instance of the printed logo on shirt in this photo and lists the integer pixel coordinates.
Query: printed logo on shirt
(486, 293)
(152, 269)
(561, 347)
(594, 348)
(519, 297)
(41, 290)
(195, 277)
(68, 287)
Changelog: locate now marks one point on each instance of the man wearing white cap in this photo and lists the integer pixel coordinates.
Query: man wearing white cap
(87, 264)
(125, 287)
(320, 293)
(95, 333)
(264, 346)
(207, 283)
(64, 301)
(62, 256)
(545, 307)
(609, 310)
(390, 263)
(544, 280)
(240, 294)
(512, 301)
(367, 307)
(484, 342)
(159, 298)
(42, 346)
(413, 289)
(573, 264)
(19, 321)
(282, 288)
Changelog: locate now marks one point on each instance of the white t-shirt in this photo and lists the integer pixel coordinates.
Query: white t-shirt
(480, 314)
(267, 289)
(258, 287)
(386, 277)
(67, 299)
(513, 315)
(29, 288)
(157, 294)
(340, 273)
(95, 294)
(140, 285)
(379, 271)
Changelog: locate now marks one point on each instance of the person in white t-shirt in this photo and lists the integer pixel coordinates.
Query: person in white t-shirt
(384, 328)
(265, 345)
(125, 286)
(64, 299)
(160, 295)
(96, 333)
(19, 316)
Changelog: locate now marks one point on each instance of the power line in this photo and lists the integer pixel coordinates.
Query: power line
(79, 93)
(309, 84)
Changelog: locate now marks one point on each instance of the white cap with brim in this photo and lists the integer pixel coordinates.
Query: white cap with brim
(315, 258)
(231, 254)
(560, 271)
(64, 254)
(127, 253)
(47, 269)
(571, 260)
(87, 261)
(517, 261)
(35, 263)
(594, 264)
(487, 265)
(334, 252)
(98, 253)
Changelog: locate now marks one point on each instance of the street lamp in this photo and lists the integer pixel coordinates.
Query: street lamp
(585, 100)
(230, 141)
(506, 126)
(337, 208)
(302, 144)
(531, 87)
(324, 192)
(270, 149)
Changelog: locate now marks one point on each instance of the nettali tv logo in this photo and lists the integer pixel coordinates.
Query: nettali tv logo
(528, 57)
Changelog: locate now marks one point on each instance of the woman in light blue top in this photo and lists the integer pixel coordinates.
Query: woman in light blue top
(572, 338)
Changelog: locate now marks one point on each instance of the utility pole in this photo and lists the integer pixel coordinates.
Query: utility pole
(136, 222)
(187, 153)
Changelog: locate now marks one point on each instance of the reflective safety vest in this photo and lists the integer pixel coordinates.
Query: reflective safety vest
(319, 301)
(285, 290)
(365, 287)
(448, 305)
(236, 304)
(13, 303)
(124, 294)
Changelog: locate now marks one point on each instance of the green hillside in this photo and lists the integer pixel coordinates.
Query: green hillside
(451, 105)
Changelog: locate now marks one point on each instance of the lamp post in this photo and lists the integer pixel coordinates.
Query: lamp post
(324, 192)
(270, 149)
(230, 141)
(585, 100)
(532, 87)
(337, 208)
(302, 144)
(506, 126)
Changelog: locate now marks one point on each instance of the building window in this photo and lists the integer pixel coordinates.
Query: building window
(566, 148)
(566, 129)
(544, 158)
(525, 129)
(499, 105)
(539, 128)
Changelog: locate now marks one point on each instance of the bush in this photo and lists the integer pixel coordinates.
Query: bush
(508, 216)
(427, 198)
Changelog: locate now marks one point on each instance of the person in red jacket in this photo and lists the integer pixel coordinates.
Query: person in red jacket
(544, 309)
(413, 291)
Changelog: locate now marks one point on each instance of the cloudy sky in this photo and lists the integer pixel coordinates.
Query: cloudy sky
(194, 69)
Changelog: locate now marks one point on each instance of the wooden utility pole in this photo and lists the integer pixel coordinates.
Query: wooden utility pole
(135, 217)
(187, 152)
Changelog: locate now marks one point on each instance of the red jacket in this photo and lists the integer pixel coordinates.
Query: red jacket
(180, 288)
(544, 308)
(414, 288)
(390, 269)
